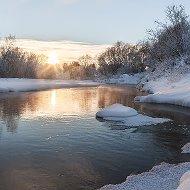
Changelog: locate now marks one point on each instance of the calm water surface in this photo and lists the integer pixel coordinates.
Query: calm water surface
(51, 140)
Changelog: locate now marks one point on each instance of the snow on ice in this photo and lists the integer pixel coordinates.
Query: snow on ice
(128, 116)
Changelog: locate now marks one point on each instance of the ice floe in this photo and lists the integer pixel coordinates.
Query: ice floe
(127, 116)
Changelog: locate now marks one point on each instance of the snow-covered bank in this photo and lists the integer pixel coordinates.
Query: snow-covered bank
(124, 79)
(184, 183)
(161, 177)
(169, 86)
(127, 116)
(23, 85)
(166, 92)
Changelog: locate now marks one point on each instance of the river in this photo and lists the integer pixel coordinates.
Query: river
(51, 140)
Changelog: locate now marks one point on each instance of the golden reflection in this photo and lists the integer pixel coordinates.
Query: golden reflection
(57, 103)
(53, 98)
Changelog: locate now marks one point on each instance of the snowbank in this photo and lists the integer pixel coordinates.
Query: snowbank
(127, 116)
(169, 84)
(186, 149)
(16, 85)
(161, 177)
(184, 183)
(167, 92)
(124, 79)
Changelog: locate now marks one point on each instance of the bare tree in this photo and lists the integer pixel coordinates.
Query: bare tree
(14, 62)
(170, 39)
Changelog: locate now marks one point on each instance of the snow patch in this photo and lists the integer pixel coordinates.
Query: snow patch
(161, 177)
(184, 183)
(116, 110)
(23, 85)
(127, 116)
(186, 149)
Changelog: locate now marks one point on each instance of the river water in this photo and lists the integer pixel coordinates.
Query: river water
(51, 140)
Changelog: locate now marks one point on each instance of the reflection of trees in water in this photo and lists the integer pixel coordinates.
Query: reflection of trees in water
(12, 107)
(11, 122)
(89, 98)
(85, 98)
(122, 95)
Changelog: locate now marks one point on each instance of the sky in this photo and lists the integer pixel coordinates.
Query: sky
(94, 21)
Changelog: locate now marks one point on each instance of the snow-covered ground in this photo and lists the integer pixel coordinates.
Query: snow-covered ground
(161, 177)
(123, 79)
(127, 116)
(169, 86)
(184, 183)
(21, 85)
(186, 148)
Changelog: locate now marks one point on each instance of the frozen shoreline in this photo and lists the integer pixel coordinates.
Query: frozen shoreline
(162, 177)
(24, 85)
(166, 92)
(169, 84)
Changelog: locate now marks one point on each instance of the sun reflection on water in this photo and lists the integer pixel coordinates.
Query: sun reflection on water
(53, 98)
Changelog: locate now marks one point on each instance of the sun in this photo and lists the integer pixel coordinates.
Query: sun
(52, 58)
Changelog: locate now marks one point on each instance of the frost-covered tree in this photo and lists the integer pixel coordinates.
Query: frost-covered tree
(14, 62)
(87, 66)
(170, 39)
(121, 58)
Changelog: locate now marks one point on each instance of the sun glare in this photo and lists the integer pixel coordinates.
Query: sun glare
(52, 58)
(53, 98)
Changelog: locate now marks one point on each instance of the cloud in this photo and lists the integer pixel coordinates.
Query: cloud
(67, 51)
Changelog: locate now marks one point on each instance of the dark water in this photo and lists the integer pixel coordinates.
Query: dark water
(50, 140)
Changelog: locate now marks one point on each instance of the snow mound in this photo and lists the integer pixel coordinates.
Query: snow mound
(23, 85)
(161, 177)
(186, 148)
(127, 116)
(116, 110)
(184, 182)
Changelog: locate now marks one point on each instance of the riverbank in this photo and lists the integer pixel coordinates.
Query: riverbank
(24, 85)
(162, 177)
(168, 84)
